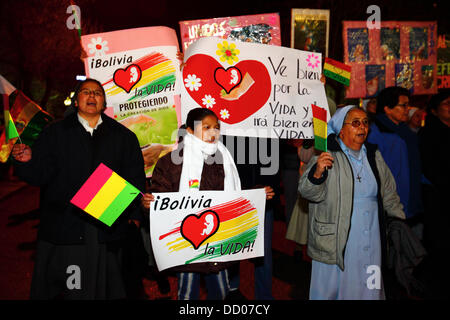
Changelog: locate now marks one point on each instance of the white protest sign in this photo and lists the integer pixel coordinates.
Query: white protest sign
(207, 226)
(255, 89)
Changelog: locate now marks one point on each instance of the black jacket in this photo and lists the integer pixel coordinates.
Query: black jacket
(63, 157)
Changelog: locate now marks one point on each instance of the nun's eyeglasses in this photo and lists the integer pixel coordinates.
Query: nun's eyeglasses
(357, 123)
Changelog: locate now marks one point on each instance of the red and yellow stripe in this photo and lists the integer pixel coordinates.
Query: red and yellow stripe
(105, 195)
(337, 70)
(320, 127)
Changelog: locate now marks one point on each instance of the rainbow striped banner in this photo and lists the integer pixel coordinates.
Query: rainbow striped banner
(140, 73)
(207, 226)
(337, 70)
(320, 127)
(105, 195)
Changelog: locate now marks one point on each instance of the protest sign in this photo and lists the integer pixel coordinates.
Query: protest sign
(139, 71)
(257, 28)
(255, 90)
(207, 226)
(397, 54)
(443, 61)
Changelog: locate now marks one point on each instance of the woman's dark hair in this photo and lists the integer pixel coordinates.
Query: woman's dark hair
(198, 114)
(389, 97)
(436, 100)
(80, 84)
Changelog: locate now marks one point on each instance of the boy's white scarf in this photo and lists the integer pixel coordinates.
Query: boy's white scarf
(195, 153)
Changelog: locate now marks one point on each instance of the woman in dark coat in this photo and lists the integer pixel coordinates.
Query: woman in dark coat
(77, 256)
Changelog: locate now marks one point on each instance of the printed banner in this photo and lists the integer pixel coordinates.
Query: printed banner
(140, 73)
(207, 226)
(258, 28)
(310, 30)
(254, 89)
(443, 61)
(398, 54)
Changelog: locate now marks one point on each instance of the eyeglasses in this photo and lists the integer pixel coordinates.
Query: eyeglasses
(404, 105)
(357, 123)
(87, 92)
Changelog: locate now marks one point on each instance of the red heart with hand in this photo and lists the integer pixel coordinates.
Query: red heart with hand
(127, 78)
(197, 229)
(242, 100)
(228, 79)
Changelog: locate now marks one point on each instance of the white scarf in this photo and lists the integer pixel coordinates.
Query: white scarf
(195, 153)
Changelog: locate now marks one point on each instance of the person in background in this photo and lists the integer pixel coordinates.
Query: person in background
(62, 159)
(264, 171)
(370, 106)
(399, 148)
(434, 142)
(290, 165)
(297, 229)
(200, 142)
(349, 189)
(415, 116)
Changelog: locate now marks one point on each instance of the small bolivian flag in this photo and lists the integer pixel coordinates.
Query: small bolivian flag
(10, 127)
(193, 184)
(105, 195)
(337, 70)
(320, 127)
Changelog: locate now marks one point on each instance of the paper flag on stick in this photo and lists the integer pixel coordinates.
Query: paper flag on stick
(320, 127)
(105, 195)
(337, 70)
(10, 127)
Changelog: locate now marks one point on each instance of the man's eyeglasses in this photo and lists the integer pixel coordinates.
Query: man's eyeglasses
(87, 92)
(404, 105)
(357, 123)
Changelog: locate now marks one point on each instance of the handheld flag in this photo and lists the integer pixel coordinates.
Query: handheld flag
(10, 127)
(23, 117)
(337, 71)
(105, 195)
(320, 127)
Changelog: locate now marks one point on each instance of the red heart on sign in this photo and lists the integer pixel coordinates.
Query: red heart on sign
(240, 102)
(228, 79)
(197, 229)
(127, 78)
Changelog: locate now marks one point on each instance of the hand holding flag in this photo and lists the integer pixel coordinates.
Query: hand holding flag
(21, 152)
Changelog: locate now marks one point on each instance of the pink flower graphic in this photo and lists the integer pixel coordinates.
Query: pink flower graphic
(313, 61)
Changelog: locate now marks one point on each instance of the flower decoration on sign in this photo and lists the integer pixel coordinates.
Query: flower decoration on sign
(98, 46)
(313, 61)
(208, 101)
(227, 52)
(224, 114)
(192, 82)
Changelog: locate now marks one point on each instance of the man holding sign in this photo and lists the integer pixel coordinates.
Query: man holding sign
(79, 257)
